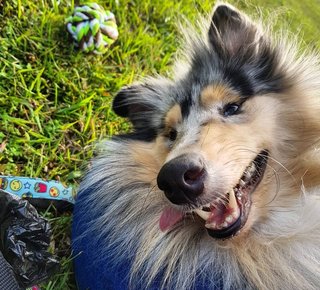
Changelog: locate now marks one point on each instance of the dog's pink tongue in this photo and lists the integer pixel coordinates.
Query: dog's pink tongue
(169, 217)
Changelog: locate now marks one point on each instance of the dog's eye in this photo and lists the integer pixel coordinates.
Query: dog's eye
(172, 134)
(231, 109)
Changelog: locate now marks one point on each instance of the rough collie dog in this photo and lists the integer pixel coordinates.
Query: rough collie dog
(218, 185)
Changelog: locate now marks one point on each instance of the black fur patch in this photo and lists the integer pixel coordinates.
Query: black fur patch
(186, 105)
(239, 81)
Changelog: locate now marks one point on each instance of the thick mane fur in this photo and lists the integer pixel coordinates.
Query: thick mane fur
(281, 250)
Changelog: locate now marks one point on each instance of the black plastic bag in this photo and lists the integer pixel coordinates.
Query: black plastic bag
(25, 238)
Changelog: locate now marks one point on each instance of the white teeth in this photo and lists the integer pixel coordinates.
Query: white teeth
(209, 216)
(225, 224)
(232, 200)
(252, 168)
(247, 175)
(211, 226)
(229, 219)
(203, 214)
(219, 227)
(242, 183)
(248, 171)
(236, 213)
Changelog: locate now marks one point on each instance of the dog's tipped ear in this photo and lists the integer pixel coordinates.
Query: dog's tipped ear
(118, 105)
(130, 103)
(125, 103)
(144, 104)
(231, 32)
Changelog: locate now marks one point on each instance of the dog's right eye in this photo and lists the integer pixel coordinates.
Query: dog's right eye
(172, 134)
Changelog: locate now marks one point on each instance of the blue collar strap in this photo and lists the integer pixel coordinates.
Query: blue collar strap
(27, 187)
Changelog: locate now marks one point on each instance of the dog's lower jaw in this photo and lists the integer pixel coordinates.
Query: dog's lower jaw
(229, 232)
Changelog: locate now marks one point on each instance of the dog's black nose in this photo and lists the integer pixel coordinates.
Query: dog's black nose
(182, 178)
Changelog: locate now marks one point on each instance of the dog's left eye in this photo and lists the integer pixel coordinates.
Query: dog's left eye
(231, 109)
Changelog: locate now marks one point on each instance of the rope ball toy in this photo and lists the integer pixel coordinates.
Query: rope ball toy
(92, 28)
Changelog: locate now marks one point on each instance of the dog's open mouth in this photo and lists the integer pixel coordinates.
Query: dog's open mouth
(225, 217)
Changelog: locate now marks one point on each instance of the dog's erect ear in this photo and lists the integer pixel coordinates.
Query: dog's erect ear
(231, 32)
(144, 104)
(246, 55)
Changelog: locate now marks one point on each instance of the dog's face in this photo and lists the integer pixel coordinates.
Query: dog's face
(216, 157)
(213, 130)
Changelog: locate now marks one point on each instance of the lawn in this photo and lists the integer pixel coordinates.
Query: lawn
(55, 101)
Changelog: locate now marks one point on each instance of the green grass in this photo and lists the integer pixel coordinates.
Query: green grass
(55, 101)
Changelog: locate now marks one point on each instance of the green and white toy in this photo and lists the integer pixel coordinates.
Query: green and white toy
(92, 28)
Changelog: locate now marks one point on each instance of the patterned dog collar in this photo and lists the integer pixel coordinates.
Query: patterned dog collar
(26, 187)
